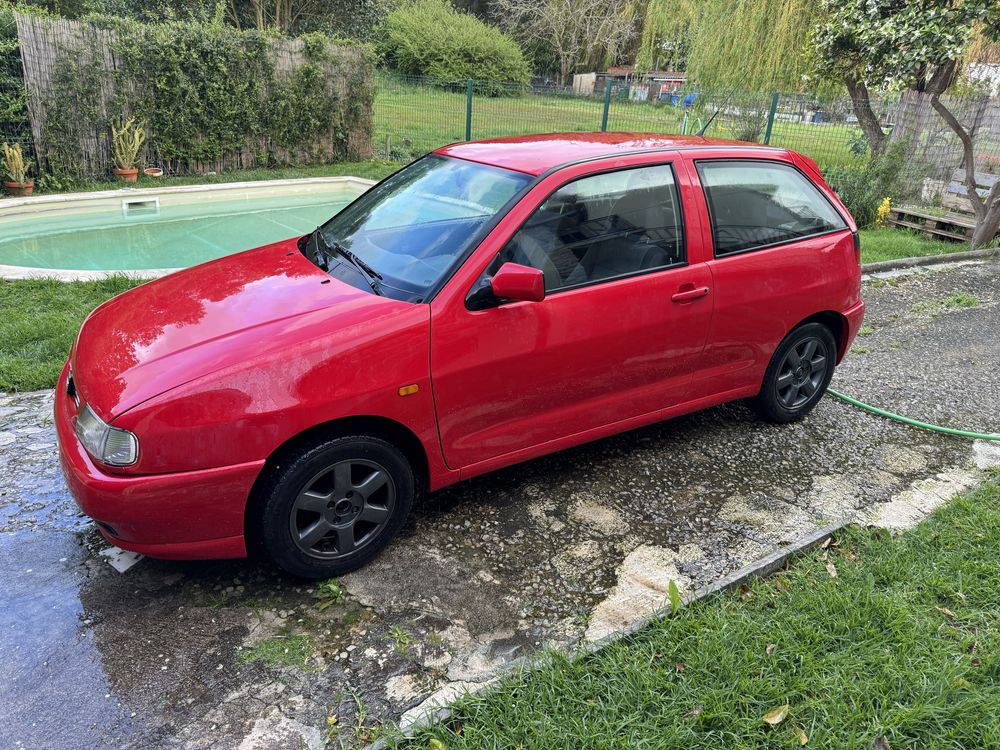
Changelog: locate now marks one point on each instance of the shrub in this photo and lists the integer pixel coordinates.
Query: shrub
(208, 96)
(431, 38)
(864, 187)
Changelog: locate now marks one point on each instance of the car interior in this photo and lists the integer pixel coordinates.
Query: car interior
(578, 240)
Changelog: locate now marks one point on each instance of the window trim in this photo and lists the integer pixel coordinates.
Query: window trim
(769, 245)
(681, 225)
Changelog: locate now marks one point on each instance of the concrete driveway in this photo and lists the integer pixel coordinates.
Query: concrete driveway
(573, 546)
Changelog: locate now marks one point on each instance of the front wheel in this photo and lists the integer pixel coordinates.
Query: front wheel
(798, 374)
(333, 507)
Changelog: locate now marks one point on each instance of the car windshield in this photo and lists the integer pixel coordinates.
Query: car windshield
(403, 236)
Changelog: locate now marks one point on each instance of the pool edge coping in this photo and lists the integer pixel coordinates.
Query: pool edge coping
(19, 273)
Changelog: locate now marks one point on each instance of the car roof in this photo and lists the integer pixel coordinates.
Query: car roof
(534, 154)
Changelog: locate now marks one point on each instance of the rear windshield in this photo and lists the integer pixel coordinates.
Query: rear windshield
(414, 227)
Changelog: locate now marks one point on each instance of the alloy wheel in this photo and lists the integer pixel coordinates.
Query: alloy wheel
(342, 509)
(802, 372)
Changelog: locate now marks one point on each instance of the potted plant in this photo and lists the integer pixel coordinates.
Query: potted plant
(126, 142)
(15, 167)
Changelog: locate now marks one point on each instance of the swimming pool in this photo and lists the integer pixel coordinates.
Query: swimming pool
(153, 231)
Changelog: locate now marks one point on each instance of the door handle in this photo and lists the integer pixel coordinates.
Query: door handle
(689, 295)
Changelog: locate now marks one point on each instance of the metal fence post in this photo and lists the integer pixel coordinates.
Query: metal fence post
(468, 110)
(607, 105)
(770, 118)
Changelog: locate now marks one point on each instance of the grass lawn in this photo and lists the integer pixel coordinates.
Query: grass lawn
(39, 319)
(900, 650)
(890, 244)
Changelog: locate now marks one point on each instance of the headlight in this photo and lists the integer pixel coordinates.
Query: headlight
(109, 445)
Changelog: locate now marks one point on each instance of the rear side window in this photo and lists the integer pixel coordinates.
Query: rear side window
(756, 204)
(603, 227)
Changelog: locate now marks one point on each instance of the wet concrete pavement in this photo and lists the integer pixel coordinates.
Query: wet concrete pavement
(572, 546)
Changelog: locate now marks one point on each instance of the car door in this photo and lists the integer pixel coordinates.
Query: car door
(780, 254)
(618, 334)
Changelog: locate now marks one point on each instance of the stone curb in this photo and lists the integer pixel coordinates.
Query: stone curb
(761, 568)
(927, 260)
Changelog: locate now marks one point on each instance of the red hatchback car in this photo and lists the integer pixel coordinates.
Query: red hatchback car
(489, 303)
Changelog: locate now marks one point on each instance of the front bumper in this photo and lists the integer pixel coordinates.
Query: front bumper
(194, 515)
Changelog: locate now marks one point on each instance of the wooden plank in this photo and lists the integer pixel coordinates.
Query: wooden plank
(928, 230)
(950, 217)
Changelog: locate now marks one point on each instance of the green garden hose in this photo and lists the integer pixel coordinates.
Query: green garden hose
(914, 422)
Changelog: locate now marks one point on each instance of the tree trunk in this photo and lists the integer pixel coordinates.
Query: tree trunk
(989, 226)
(987, 210)
(867, 118)
(565, 69)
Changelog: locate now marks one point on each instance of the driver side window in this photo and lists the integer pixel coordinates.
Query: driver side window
(602, 227)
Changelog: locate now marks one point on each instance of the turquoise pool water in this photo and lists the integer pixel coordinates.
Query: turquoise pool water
(200, 228)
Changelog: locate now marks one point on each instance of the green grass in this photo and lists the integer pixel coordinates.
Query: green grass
(903, 644)
(288, 650)
(39, 319)
(892, 244)
(955, 301)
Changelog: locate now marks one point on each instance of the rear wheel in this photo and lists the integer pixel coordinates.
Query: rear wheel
(333, 507)
(798, 374)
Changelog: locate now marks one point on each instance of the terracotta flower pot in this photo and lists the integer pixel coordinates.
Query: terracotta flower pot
(153, 172)
(126, 175)
(19, 189)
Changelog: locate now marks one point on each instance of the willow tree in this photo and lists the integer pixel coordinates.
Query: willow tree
(755, 45)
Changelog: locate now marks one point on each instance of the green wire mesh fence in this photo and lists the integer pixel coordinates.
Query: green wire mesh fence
(414, 115)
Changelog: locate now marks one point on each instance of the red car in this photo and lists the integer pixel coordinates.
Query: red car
(489, 303)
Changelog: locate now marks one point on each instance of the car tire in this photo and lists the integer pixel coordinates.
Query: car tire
(797, 375)
(331, 508)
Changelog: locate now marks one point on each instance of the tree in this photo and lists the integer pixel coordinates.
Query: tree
(755, 46)
(577, 30)
(885, 44)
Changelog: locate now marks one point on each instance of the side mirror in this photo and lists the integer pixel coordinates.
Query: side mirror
(517, 282)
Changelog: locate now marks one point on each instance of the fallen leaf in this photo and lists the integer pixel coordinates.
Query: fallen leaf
(826, 543)
(963, 683)
(436, 745)
(745, 592)
(975, 662)
(825, 556)
(800, 733)
(882, 743)
(331, 720)
(945, 611)
(675, 597)
(696, 711)
(770, 648)
(680, 666)
(831, 569)
(776, 715)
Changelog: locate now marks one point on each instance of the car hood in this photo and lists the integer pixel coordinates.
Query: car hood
(189, 324)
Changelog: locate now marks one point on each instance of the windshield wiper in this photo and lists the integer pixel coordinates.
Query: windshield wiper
(329, 248)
